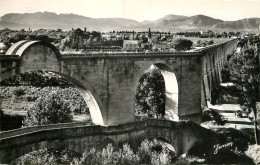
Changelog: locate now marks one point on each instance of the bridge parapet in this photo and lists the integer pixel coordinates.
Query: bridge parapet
(122, 54)
(232, 41)
(198, 52)
(145, 122)
(28, 130)
(6, 56)
(79, 137)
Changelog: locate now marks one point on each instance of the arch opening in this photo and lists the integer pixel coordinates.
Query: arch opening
(82, 103)
(38, 55)
(169, 89)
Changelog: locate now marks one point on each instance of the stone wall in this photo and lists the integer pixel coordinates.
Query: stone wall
(78, 138)
(214, 59)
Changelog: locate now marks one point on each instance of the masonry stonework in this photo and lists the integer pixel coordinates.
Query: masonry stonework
(113, 79)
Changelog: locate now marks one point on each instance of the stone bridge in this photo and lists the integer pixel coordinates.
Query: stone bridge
(108, 84)
(108, 81)
(79, 137)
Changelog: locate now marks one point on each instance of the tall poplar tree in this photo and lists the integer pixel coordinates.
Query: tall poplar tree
(245, 74)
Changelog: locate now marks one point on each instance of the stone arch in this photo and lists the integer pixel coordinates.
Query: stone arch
(164, 142)
(90, 100)
(107, 141)
(171, 91)
(37, 55)
(163, 139)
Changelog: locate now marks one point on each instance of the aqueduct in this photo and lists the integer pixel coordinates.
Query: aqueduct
(108, 83)
(110, 80)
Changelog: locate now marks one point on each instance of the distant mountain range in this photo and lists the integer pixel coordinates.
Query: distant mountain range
(171, 22)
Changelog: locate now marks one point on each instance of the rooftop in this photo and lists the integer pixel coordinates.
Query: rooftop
(226, 107)
(130, 41)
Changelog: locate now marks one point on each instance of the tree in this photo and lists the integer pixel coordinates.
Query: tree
(51, 109)
(244, 73)
(149, 33)
(150, 95)
(182, 44)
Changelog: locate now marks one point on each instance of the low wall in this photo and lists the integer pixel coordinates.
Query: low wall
(79, 137)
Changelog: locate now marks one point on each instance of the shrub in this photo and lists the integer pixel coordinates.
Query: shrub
(182, 44)
(162, 157)
(254, 153)
(128, 156)
(210, 42)
(49, 110)
(108, 155)
(45, 156)
(154, 152)
(19, 91)
(30, 98)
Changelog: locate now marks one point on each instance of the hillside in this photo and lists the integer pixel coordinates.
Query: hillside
(47, 20)
(250, 23)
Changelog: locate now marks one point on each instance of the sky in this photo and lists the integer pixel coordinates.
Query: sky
(140, 10)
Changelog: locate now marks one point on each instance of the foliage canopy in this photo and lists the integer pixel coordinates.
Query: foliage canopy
(51, 109)
(182, 44)
(150, 95)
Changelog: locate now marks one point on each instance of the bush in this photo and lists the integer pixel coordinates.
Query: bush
(49, 110)
(254, 153)
(128, 156)
(155, 151)
(162, 157)
(211, 42)
(18, 92)
(182, 44)
(108, 155)
(36, 78)
(45, 156)
(31, 98)
(146, 154)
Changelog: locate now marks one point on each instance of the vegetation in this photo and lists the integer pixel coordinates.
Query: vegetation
(46, 157)
(254, 153)
(182, 44)
(244, 73)
(36, 78)
(150, 95)
(201, 43)
(108, 155)
(31, 92)
(155, 152)
(149, 152)
(50, 109)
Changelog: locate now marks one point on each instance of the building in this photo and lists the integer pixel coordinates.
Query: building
(162, 46)
(131, 45)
